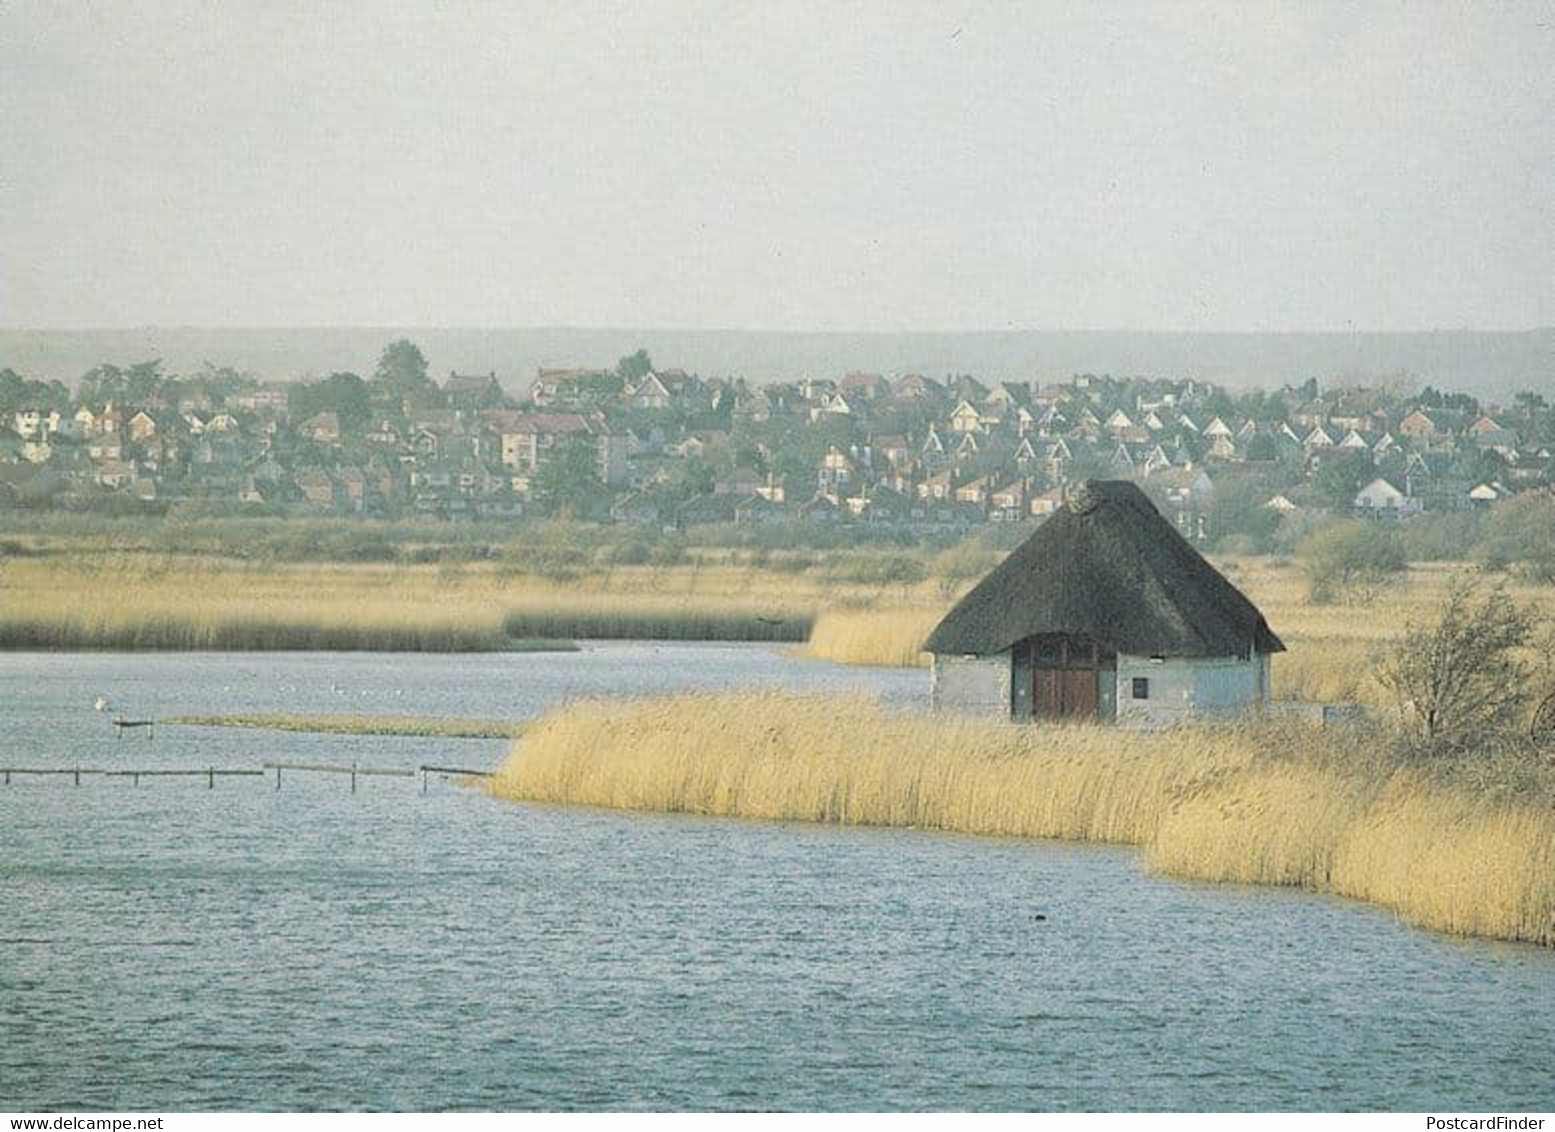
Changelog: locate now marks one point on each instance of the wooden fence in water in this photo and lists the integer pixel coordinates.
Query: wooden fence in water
(212, 773)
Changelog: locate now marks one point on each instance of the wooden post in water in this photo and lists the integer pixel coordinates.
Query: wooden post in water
(78, 776)
(278, 778)
(353, 778)
(210, 777)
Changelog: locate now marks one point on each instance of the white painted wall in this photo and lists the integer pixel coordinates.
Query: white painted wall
(1184, 687)
(973, 685)
(1180, 687)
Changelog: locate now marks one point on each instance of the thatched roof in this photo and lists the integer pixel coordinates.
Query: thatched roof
(1109, 567)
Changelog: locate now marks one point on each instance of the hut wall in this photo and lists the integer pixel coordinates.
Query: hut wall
(1179, 688)
(972, 684)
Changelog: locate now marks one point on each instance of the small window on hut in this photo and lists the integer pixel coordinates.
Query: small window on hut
(1141, 687)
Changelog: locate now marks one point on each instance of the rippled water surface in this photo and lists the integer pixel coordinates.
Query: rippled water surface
(171, 946)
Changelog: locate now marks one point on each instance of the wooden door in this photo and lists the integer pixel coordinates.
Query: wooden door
(1066, 675)
(1046, 693)
(1079, 694)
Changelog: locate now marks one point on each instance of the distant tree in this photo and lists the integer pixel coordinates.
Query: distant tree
(1520, 533)
(1341, 475)
(138, 385)
(634, 366)
(18, 392)
(344, 394)
(1529, 404)
(1218, 404)
(1350, 560)
(1461, 681)
(1482, 466)
(750, 455)
(596, 391)
(1260, 405)
(1461, 403)
(1238, 519)
(959, 565)
(144, 380)
(568, 482)
(695, 477)
(1262, 448)
(222, 382)
(402, 371)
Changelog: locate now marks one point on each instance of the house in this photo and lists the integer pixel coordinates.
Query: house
(965, 418)
(1104, 614)
(915, 386)
(1417, 426)
(322, 428)
(651, 393)
(1379, 497)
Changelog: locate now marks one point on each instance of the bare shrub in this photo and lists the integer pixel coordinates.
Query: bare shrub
(1461, 680)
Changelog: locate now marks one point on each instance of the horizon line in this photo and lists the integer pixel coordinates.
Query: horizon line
(606, 329)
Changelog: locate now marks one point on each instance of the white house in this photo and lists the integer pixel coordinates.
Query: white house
(1106, 613)
(1379, 497)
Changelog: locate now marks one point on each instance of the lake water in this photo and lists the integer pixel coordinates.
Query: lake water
(167, 946)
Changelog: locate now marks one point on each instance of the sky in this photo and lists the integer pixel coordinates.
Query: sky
(778, 165)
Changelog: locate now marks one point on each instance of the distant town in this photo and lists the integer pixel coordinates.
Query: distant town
(656, 447)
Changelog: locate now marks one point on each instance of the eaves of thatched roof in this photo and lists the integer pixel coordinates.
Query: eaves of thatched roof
(1107, 566)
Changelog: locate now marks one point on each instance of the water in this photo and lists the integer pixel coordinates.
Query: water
(168, 946)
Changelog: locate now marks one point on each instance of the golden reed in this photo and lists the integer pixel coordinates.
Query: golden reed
(1264, 803)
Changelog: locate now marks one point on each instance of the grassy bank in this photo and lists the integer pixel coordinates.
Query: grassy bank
(411, 726)
(1441, 844)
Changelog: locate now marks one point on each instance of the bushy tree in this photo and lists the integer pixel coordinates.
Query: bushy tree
(137, 385)
(1521, 533)
(402, 373)
(1350, 560)
(17, 392)
(568, 482)
(1460, 680)
(634, 366)
(1341, 475)
(344, 394)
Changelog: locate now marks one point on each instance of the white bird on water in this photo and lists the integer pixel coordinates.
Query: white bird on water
(102, 703)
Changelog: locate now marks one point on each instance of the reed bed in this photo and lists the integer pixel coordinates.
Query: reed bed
(1260, 803)
(412, 726)
(889, 638)
(139, 602)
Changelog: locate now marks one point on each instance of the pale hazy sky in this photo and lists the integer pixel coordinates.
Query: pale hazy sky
(779, 165)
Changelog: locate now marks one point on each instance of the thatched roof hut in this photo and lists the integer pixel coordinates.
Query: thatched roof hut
(1105, 587)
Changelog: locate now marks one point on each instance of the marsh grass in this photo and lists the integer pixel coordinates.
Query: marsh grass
(891, 638)
(1261, 803)
(142, 600)
(152, 602)
(416, 726)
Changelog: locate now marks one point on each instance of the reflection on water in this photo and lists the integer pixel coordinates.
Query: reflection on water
(171, 946)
